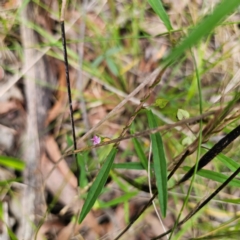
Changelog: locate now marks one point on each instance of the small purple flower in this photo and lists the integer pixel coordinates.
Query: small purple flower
(96, 140)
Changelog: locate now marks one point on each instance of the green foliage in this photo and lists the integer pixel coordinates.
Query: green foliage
(129, 166)
(159, 163)
(228, 162)
(108, 57)
(10, 233)
(187, 140)
(119, 200)
(123, 47)
(205, 27)
(81, 159)
(139, 149)
(182, 114)
(140, 153)
(161, 102)
(215, 176)
(9, 181)
(97, 185)
(160, 11)
(11, 162)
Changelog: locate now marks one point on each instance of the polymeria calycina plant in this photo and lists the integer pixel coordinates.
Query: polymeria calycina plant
(199, 31)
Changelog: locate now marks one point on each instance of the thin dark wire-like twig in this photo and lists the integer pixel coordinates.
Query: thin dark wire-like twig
(69, 94)
(212, 153)
(201, 205)
(231, 137)
(138, 215)
(138, 134)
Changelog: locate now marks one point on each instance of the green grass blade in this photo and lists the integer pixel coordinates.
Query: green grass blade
(119, 200)
(139, 149)
(228, 162)
(140, 153)
(160, 11)
(129, 166)
(220, 12)
(112, 66)
(98, 185)
(117, 179)
(234, 201)
(11, 162)
(159, 163)
(83, 175)
(217, 177)
(10, 233)
(97, 61)
(9, 181)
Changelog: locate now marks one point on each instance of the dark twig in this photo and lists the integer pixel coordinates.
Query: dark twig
(232, 135)
(212, 153)
(69, 94)
(178, 164)
(220, 116)
(138, 134)
(201, 205)
(143, 133)
(136, 217)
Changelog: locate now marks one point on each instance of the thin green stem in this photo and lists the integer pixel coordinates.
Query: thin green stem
(199, 145)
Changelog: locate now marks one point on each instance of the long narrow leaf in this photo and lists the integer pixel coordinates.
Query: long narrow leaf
(83, 175)
(217, 177)
(119, 200)
(160, 11)
(11, 162)
(159, 163)
(140, 153)
(9, 181)
(128, 165)
(228, 162)
(221, 11)
(212, 153)
(98, 185)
